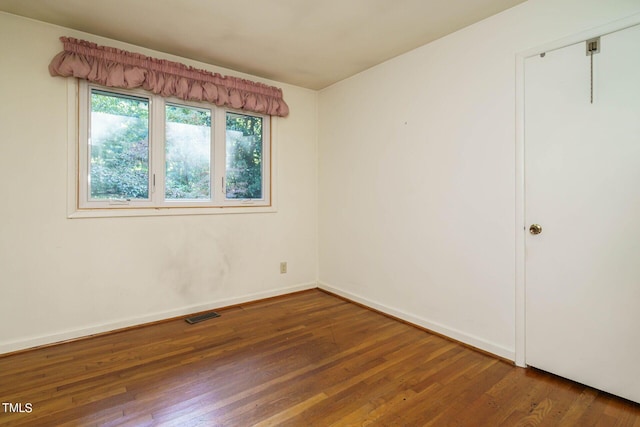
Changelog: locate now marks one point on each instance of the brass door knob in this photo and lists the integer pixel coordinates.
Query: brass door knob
(535, 229)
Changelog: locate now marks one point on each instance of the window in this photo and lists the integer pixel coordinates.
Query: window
(187, 153)
(142, 151)
(118, 166)
(244, 156)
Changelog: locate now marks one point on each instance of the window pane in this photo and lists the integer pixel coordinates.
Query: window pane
(188, 153)
(119, 146)
(244, 157)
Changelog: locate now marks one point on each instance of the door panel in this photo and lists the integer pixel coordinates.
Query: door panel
(582, 185)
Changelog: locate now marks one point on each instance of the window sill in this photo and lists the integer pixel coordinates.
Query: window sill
(173, 211)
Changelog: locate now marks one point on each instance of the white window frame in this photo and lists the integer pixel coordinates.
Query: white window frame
(81, 206)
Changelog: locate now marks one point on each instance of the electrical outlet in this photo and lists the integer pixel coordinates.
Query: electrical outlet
(283, 267)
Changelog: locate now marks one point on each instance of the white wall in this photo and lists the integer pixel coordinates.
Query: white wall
(62, 278)
(417, 169)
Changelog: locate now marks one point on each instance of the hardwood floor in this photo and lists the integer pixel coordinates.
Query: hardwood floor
(308, 359)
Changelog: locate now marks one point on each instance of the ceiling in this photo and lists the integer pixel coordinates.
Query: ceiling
(308, 43)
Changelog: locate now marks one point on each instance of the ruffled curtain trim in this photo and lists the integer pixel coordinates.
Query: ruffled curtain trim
(113, 67)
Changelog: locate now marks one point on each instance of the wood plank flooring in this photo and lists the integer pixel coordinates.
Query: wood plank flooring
(307, 359)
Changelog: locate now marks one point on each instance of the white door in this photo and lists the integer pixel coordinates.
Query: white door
(582, 186)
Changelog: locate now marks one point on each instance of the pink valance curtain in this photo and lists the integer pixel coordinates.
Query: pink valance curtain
(118, 68)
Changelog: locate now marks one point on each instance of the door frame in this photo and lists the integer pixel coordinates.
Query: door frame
(520, 231)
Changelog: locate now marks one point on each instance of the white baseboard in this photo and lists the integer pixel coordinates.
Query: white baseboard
(31, 342)
(471, 340)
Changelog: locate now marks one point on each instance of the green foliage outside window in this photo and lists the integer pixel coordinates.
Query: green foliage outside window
(187, 153)
(119, 166)
(244, 157)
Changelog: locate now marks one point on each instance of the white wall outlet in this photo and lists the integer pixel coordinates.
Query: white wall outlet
(283, 267)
